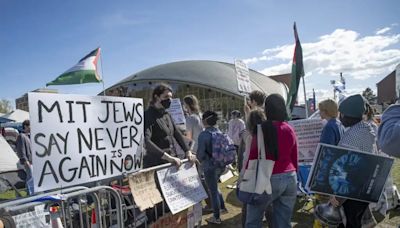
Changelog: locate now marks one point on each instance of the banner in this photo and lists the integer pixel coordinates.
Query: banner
(349, 173)
(243, 76)
(308, 132)
(144, 190)
(181, 187)
(79, 139)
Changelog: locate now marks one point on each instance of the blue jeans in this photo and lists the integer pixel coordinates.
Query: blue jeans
(211, 177)
(284, 192)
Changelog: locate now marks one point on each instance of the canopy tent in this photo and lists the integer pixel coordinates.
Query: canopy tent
(9, 158)
(17, 115)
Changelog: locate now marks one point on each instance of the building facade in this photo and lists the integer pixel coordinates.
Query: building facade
(23, 103)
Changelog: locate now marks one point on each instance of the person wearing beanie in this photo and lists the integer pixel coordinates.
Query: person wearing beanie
(359, 135)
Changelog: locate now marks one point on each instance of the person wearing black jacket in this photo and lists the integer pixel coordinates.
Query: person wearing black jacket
(160, 131)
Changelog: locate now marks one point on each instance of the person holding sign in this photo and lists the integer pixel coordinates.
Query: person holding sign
(159, 131)
(360, 136)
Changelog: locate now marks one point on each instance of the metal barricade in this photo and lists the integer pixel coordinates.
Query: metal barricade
(107, 215)
(101, 206)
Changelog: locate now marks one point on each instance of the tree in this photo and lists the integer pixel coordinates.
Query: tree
(5, 106)
(368, 93)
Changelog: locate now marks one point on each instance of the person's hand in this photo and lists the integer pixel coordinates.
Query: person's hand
(191, 157)
(176, 161)
(333, 201)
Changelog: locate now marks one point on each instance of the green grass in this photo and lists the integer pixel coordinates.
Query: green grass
(301, 218)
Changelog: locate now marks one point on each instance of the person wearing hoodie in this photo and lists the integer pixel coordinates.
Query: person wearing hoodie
(359, 135)
(389, 131)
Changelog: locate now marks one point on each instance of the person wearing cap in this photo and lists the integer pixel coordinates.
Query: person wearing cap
(359, 135)
(389, 131)
(24, 152)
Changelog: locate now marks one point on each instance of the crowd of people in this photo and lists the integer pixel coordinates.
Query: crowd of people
(349, 124)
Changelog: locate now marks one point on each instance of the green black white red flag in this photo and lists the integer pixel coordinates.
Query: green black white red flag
(85, 71)
(297, 71)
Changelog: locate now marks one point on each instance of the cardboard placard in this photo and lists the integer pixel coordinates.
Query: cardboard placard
(169, 220)
(242, 76)
(78, 139)
(181, 187)
(176, 112)
(349, 173)
(144, 190)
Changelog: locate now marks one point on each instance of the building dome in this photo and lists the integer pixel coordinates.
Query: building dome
(213, 83)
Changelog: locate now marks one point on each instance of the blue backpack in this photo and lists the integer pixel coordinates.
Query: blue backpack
(223, 149)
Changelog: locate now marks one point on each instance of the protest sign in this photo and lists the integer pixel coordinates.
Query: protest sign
(242, 76)
(349, 173)
(169, 220)
(181, 187)
(144, 190)
(78, 139)
(308, 132)
(35, 218)
(176, 112)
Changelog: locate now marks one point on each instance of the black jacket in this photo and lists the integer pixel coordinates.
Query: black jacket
(159, 131)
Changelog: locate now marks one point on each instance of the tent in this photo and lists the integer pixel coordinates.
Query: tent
(9, 158)
(17, 115)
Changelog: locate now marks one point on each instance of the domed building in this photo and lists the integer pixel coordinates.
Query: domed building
(213, 83)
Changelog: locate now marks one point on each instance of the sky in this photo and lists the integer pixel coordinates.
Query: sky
(39, 40)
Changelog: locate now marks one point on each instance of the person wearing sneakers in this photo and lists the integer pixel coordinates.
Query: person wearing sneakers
(211, 173)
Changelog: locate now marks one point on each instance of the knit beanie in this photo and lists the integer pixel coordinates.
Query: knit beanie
(353, 106)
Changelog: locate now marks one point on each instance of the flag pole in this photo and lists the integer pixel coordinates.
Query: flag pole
(305, 97)
(102, 75)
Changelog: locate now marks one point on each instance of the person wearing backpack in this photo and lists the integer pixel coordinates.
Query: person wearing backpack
(213, 159)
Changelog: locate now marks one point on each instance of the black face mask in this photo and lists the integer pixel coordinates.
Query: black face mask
(166, 103)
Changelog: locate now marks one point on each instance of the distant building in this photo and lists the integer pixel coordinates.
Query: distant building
(389, 87)
(22, 102)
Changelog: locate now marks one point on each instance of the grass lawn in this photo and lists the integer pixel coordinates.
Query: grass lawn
(301, 218)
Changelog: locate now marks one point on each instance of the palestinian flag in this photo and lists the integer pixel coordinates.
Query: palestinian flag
(85, 71)
(297, 71)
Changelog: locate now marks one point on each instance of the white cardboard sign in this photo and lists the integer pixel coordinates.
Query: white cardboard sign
(243, 76)
(176, 112)
(308, 132)
(181, 187)
(78, 139)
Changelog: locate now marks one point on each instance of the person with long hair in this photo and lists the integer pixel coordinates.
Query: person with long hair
(254, 117)
(194, 124)
(281, 146)
(159, 131)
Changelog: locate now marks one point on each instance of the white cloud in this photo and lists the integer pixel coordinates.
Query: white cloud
(341, 51)
(382, 31)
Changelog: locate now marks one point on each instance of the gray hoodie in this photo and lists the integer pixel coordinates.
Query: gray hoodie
(389, 131)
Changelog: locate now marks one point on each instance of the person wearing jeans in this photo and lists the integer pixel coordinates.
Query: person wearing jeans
(281, 146)
(211, 173)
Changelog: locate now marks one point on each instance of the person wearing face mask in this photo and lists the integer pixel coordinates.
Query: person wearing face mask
(160, 131)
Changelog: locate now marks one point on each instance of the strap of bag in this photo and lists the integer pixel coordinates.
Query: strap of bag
(260, 143)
